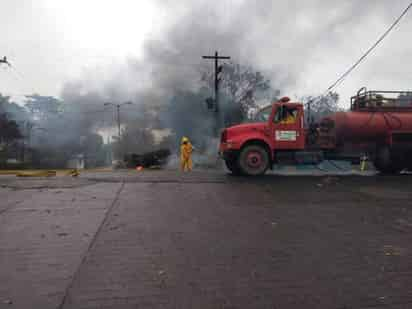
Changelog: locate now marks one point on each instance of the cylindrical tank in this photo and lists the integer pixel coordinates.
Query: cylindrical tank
(362, 126)
(360, 132)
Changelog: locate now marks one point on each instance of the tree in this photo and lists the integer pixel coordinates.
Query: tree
(242, 86)
(320, 106)
(63, 132)
(43, 107)
(14, 111)
(9, 129)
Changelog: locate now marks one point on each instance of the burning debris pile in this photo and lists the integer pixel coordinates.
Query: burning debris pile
(149, 159)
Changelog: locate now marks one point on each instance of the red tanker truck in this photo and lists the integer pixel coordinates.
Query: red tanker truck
(378, 125)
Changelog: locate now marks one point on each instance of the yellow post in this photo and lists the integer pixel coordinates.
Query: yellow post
(363, 163)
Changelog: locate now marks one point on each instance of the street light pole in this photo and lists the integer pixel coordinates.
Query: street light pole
(118, 114)
(118, 121)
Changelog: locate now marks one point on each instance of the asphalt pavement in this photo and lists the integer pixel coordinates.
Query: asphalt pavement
(162, 239)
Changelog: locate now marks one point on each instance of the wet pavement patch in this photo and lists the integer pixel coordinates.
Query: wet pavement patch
(386, 193)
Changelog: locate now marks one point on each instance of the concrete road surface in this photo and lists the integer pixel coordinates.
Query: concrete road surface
(205, 240)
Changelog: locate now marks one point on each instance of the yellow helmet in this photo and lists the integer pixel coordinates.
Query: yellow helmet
(184, 140)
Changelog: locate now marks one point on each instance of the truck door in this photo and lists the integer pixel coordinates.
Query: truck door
(288, 127)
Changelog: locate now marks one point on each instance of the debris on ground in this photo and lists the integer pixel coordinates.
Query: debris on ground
(329, 180)
(73, 173)
(390, 250)
(403, 225)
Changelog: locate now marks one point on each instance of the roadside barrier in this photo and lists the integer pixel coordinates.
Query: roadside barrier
(37, 174)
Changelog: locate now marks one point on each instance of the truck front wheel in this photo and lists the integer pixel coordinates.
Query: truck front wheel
(253, 160)
(232, 166)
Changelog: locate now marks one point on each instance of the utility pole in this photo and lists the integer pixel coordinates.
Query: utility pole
(309, 110)
(218, 69)
(118, 120)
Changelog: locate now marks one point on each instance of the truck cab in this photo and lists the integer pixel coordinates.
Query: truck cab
(252, 148)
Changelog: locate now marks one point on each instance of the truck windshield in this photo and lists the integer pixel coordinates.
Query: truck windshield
(264, 114)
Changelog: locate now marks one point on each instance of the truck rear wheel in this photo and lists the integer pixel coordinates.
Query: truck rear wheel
(385, 161)
(253, 160)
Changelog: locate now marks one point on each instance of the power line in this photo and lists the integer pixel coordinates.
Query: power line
(346, 73)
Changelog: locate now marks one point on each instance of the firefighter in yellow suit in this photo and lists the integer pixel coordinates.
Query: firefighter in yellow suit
(290, 117)
(186, 150)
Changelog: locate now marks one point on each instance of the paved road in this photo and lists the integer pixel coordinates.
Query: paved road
(206, 240)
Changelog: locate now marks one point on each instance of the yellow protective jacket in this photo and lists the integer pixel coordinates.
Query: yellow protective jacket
(186, 150)
(290, 119)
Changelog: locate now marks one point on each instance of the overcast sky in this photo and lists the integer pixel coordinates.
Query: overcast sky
(133, 45)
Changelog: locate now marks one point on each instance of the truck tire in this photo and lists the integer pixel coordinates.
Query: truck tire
(233, 167)
(385, 163)
(253, 160)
